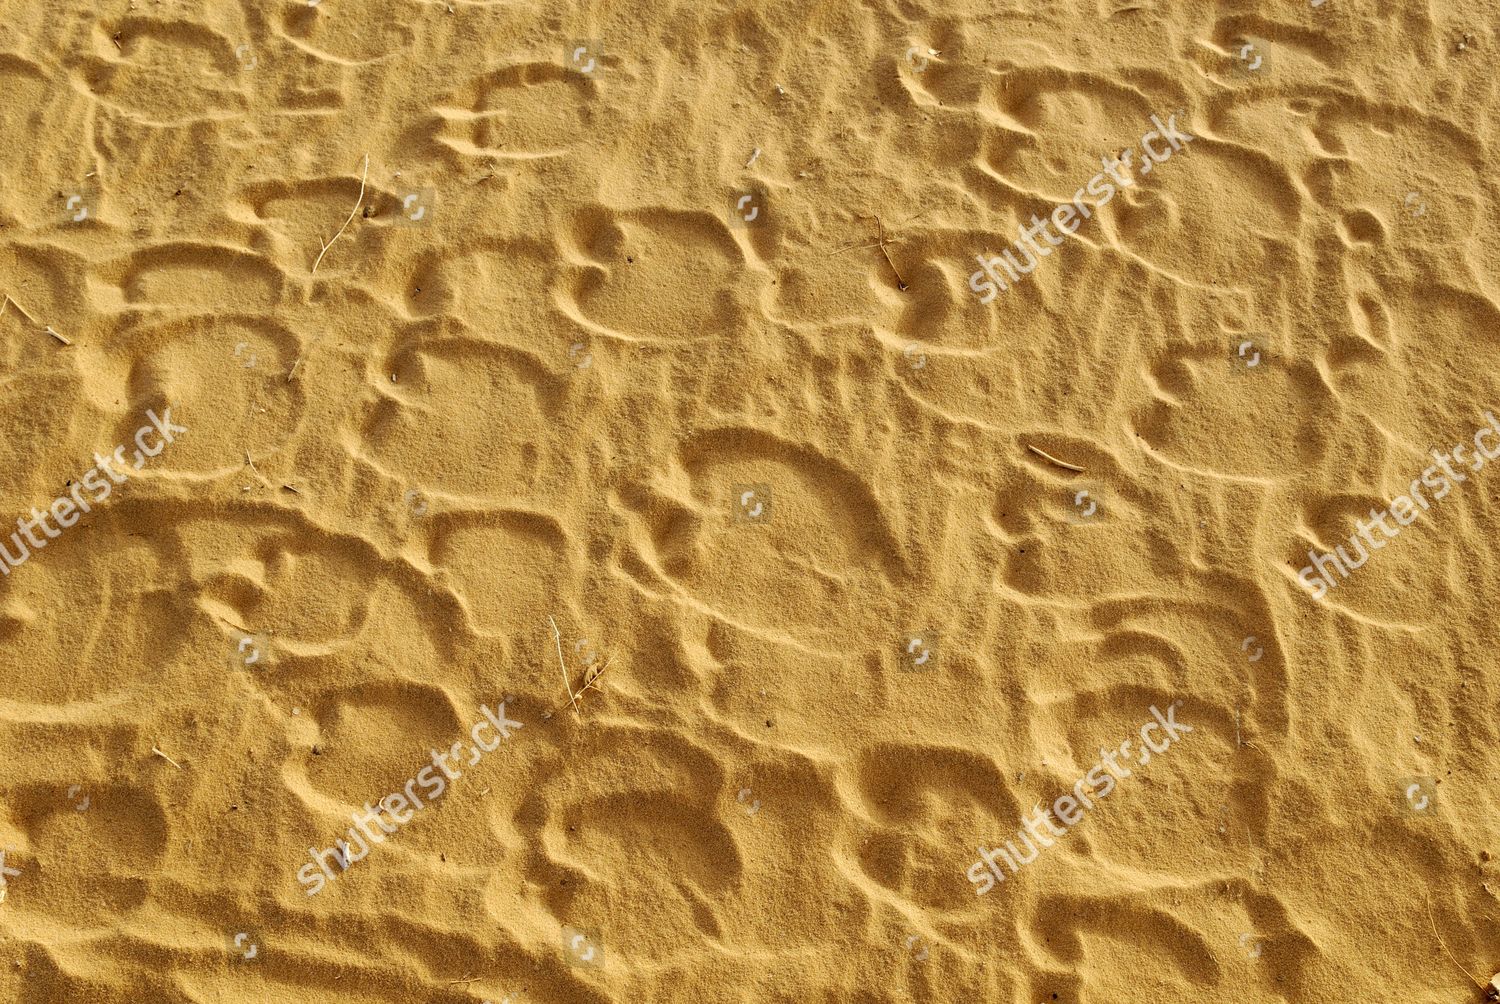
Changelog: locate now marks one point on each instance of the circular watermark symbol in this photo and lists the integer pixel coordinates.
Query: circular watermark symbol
(80, 204)
(583, 947)
(747, 801)
(752, 503)
(1250, 57)
(416, 206)
(579, 356)
(919, 651)
(1245, 356)
(251, 651)
(585, 55)
(245, 947)
(1085, 503)
(749, 208)
(1418, 795)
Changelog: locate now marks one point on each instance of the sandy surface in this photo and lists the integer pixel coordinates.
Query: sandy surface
(662, 322)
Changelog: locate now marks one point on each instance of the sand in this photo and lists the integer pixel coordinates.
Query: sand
(662, 322)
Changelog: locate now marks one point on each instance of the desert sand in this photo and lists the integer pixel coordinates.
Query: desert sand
(447, 322)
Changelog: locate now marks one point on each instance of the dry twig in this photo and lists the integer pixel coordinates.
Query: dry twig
(350, 220)
(168, 759)
(1439, 937)
(590, 678)
(557, 637)
(1047, 456)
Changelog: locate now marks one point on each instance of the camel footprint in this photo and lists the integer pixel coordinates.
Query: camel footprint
(520, 112)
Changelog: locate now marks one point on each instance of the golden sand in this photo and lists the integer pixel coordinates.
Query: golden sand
(662, 322)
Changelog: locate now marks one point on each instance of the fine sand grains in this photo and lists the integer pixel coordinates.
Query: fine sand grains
(648, 355)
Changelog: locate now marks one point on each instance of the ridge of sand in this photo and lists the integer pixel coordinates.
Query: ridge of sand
(549, 369)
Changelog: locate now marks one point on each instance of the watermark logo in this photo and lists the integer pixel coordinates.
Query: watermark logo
(108, 473)
(1416, 205)
(6, 873)
(1246, 356)
(1037, 240)
(1418, 794)
(251, 651)
(579, 355)
(379, 823)
(1041, 831)
(1250, 656)
(919, 651)
(917, 59)
(73, 792)
(583, 947)
(1423, 492)
(915, 357)
(1245, 51)
(747, 208)
(78, 206)
(245, 55)
(1250, 945)
(747, 801)
(417, 207)
(416, 502)
(752, 503)
(917, 949)
(586, 55)
(244, 947)
(240, 353)
(1085, 503)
